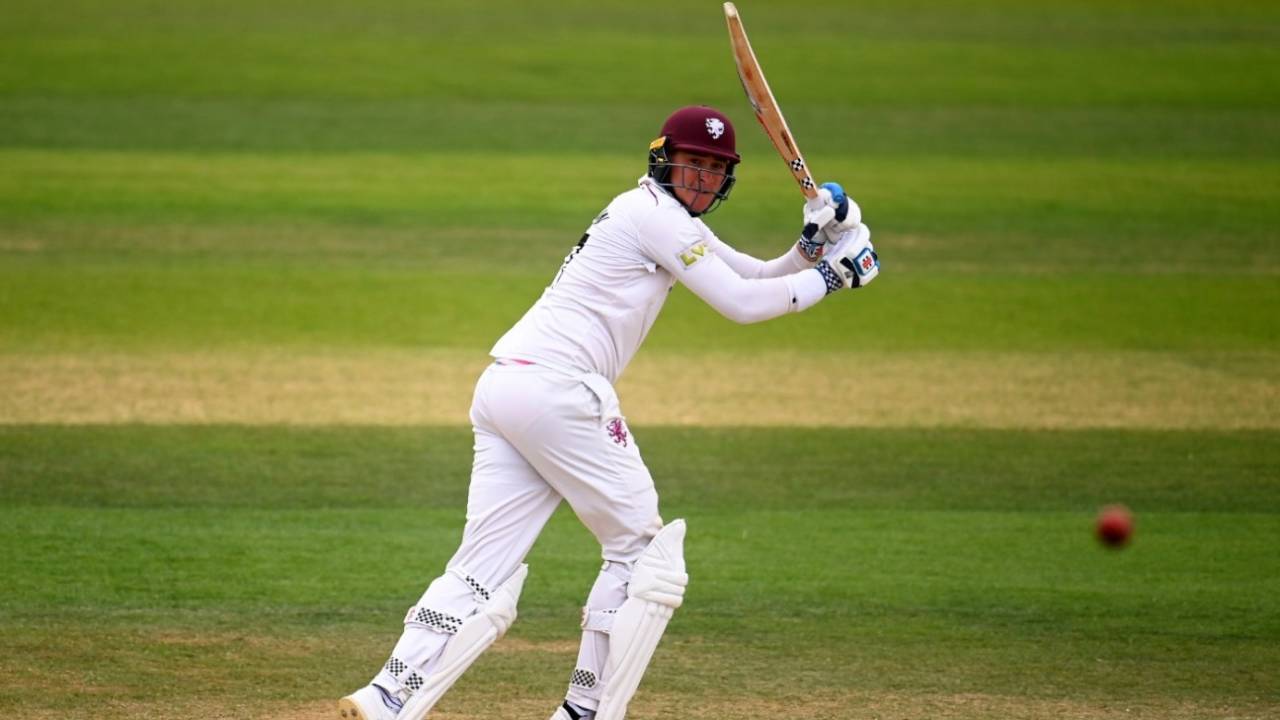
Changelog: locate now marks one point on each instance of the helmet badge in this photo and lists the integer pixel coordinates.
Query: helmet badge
(715, 127)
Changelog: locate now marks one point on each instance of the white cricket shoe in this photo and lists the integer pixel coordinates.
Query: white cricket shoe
(365, 704)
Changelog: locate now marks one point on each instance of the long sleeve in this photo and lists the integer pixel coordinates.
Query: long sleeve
(752, 267)
(750, 300)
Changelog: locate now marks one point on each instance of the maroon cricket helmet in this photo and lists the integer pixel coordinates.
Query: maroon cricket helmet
(701, 129)
(697, 129)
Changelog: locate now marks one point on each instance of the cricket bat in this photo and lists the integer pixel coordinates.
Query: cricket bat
(766, 108)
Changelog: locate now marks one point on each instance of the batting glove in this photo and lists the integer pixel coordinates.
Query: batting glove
(822, 228)
(851, 262)
(818, 213)
(848, 214)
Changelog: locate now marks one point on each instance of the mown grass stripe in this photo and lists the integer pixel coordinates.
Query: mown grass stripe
(1133, 390)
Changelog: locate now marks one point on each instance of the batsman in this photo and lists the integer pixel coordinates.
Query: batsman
(549, 428)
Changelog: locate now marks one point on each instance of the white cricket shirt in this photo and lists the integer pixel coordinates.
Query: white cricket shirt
(609, 291)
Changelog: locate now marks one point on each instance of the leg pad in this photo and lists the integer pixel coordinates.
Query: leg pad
(473, 637)
(656, 589)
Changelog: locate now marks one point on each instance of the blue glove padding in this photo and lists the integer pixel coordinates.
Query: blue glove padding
(848, 214)
(839, 198)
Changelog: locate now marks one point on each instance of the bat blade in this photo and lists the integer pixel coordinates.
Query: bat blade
(764, 104)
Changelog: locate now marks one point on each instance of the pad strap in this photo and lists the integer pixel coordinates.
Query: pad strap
(410, 680)
(471, 638)
(482, 594)
(432, 619)
(441, 621)
(584, 679)
(598, 620)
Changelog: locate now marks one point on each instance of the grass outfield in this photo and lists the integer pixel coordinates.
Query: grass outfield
(264, 569)
(252, 255)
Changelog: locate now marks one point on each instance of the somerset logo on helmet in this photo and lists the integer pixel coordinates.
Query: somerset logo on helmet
(696, 129)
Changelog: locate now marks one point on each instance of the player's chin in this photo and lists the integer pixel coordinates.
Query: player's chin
(703, 201)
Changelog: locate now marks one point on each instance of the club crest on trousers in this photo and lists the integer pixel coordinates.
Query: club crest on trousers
(617, 431)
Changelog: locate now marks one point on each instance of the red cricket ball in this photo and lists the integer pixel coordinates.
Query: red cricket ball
(1115, 525)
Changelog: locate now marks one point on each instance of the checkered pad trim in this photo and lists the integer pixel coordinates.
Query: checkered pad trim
(435, 620)
(478, 590)
(481, 593)
(832, 278)
(583, 679)
(410, 679)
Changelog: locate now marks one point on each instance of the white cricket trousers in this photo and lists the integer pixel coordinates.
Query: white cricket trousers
(541, 435)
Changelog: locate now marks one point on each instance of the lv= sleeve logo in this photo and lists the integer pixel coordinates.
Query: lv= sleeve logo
(692, 255)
